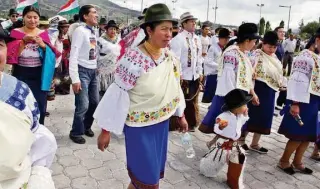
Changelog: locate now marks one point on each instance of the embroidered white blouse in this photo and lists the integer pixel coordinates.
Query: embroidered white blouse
(187, 47)
(227, 81)
(211, 60)
(112, 112)
(235, 123)
(299, 81)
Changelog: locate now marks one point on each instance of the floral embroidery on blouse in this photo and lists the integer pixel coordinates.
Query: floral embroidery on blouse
(132, 64)
(315, 75)
(142, 117)
(230, 58)
(262, 74)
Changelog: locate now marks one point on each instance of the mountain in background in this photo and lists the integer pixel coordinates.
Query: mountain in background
(51, 7)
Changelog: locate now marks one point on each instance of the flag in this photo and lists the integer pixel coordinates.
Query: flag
(71, 7)
(23, 3)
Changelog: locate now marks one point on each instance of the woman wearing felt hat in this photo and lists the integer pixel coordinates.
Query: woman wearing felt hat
(145, 94)
(235, 71)
(109, 50)
(269, 79)
(303, 100)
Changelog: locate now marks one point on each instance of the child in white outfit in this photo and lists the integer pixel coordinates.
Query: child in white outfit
(228, 127)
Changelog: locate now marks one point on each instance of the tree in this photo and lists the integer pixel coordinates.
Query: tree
(282, 24)
(262, 25)
(301, 25)
(310, 28)
(268, 27)
(199, 23)
(289, 31)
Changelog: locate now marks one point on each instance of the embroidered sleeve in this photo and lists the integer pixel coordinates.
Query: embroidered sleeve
(129, 69)
(230, 60)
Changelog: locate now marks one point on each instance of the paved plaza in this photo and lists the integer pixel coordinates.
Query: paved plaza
(85, 167)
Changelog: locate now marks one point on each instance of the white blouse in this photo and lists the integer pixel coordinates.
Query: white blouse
(235, 123)
(211, 60)
(227, 81)
(298, 85)
(113, 108)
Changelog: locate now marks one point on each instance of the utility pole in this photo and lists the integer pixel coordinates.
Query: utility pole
(141, 6)
(289, 7)
(215, 12)
(208, 10)
(260, 5)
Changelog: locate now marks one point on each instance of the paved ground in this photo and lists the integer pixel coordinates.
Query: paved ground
(84, 167)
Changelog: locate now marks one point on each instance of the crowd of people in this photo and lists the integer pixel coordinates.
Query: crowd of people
(147, 82)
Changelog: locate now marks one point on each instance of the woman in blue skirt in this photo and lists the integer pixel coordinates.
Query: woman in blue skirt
(211, 64)
(234, 72)
(303, 101)
(269, 79)
(146, 92)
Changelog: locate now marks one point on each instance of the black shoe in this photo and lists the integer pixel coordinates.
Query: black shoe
(77, 139)
(89, 133)
(47, 114)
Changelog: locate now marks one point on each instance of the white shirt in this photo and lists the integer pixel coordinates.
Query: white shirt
(191, 66)
(205, 42)
(83, 51)
(235, 123)
(211, 60)
(289, 46)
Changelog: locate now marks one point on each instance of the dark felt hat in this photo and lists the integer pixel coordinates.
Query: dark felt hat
(103, 21)
(156, 13)
(248, 31)
(143, 14)
(112, 24)
(12, 12)
(270, 38)
(235, 99)
(224, 33)
(4, 36)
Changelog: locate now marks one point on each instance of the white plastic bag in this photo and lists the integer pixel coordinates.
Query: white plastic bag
(212, 163)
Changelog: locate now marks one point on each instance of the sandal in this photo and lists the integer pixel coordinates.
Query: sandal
(288, 170)
(304, 170)
(316, 158)
(260, 150)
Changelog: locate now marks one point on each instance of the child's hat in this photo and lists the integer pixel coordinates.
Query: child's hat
(235, 99)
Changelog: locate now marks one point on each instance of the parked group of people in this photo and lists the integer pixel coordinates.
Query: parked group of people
(148, 82)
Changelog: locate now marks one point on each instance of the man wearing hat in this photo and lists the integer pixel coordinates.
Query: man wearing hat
(211, 64)
(187, 47)
(102, 26)
(134, 38)
(13, 18)
(44, 23)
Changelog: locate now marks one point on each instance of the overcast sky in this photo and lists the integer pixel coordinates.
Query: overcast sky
(235, 11)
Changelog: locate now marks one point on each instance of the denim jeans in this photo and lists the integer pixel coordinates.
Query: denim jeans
(86, 101)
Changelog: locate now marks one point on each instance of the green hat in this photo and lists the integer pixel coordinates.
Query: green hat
(156, 13)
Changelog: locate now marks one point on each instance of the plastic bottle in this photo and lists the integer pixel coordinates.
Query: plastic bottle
(187, 145)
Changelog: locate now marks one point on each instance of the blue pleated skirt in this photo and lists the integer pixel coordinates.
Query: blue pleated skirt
(210, 118)
(146, 149)
(310, 131)
(261, 116)
(210, 88)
